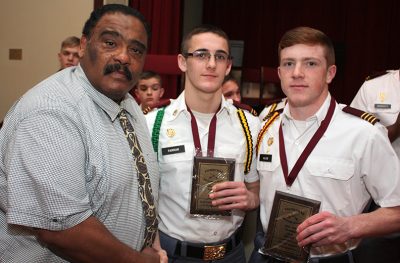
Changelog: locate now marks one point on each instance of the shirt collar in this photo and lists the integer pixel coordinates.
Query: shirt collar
(319, 115)
(179, 107)
(110, 107)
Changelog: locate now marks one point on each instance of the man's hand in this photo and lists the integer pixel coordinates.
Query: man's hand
(324, 229)
(161, 252)
(235, 195)
(152, 255)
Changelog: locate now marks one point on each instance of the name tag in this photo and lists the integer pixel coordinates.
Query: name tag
(265, 158)
(382, 106)
(173, 150)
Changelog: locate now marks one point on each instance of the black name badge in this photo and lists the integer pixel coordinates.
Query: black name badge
(207, 172)
(382, 106)
(173, 150)
(266, 158)
(288, 212)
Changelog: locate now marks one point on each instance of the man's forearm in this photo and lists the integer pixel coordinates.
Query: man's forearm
(380, 222)
(394, 130)
(90, 241)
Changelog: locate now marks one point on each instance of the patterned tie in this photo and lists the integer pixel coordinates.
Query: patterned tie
(145, 191)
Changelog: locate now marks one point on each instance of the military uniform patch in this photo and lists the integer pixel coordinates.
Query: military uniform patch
(362, 114)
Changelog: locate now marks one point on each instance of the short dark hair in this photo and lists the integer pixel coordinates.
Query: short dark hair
(72, 41)
(203, 29)
(97, 14)
(308, 36)
(230, 77)
(150, 74)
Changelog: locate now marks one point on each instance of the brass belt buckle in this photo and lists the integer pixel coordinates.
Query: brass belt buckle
(214, 252)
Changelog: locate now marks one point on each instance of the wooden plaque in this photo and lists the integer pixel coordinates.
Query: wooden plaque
(288, 212)
(207, 172)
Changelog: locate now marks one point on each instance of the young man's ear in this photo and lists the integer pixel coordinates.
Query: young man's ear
(161, 92)
(182, 63)
(331, 73)
(228, 67)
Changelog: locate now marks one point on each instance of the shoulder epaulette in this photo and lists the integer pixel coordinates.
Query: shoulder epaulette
(274, 101)
(362, 114)
(273, 107)
(375, 75)
(160, 104)
(271, 112)
(245, 107)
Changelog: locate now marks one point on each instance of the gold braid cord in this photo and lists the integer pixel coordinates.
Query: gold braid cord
(249, 140)
(264, 129)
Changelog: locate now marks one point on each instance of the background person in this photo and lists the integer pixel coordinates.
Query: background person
(69, 52)
(380, 95)
(149, 90)
(69, 183)
(230, 88)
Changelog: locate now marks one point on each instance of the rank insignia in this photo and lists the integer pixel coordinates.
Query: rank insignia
(171, 133)
(382, 96)
(270, 141)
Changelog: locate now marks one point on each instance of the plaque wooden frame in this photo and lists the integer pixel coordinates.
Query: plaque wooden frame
(288, 211)
(208, 171)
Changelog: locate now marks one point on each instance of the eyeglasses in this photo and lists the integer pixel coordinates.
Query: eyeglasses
(203, 55)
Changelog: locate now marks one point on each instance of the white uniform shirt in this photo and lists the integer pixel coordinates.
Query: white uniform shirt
(381, 97)
(176, 170)
(352, 160)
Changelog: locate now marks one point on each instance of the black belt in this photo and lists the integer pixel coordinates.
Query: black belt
(346, 257)
(208, 251)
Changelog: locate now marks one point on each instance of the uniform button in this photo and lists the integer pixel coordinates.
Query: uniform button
(215, 233)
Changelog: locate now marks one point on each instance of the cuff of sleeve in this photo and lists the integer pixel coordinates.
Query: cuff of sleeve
(54, 223)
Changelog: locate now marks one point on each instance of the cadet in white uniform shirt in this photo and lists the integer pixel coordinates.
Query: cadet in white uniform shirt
(381, 96)
(205, 59)
(352, 160)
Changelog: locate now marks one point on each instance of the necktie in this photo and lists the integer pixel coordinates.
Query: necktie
(145, 191)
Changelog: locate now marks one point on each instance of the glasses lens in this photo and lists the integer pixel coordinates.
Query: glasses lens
(201, 55)
(206, 55)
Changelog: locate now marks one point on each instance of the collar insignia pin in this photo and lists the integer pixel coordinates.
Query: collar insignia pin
(270, 141)
(171, 133)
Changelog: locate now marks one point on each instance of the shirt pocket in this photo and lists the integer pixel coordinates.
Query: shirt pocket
(265, 166)
(238, 155)
(176, 171)
(331, 178)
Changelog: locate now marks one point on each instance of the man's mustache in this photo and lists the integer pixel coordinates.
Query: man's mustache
(110, 68)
